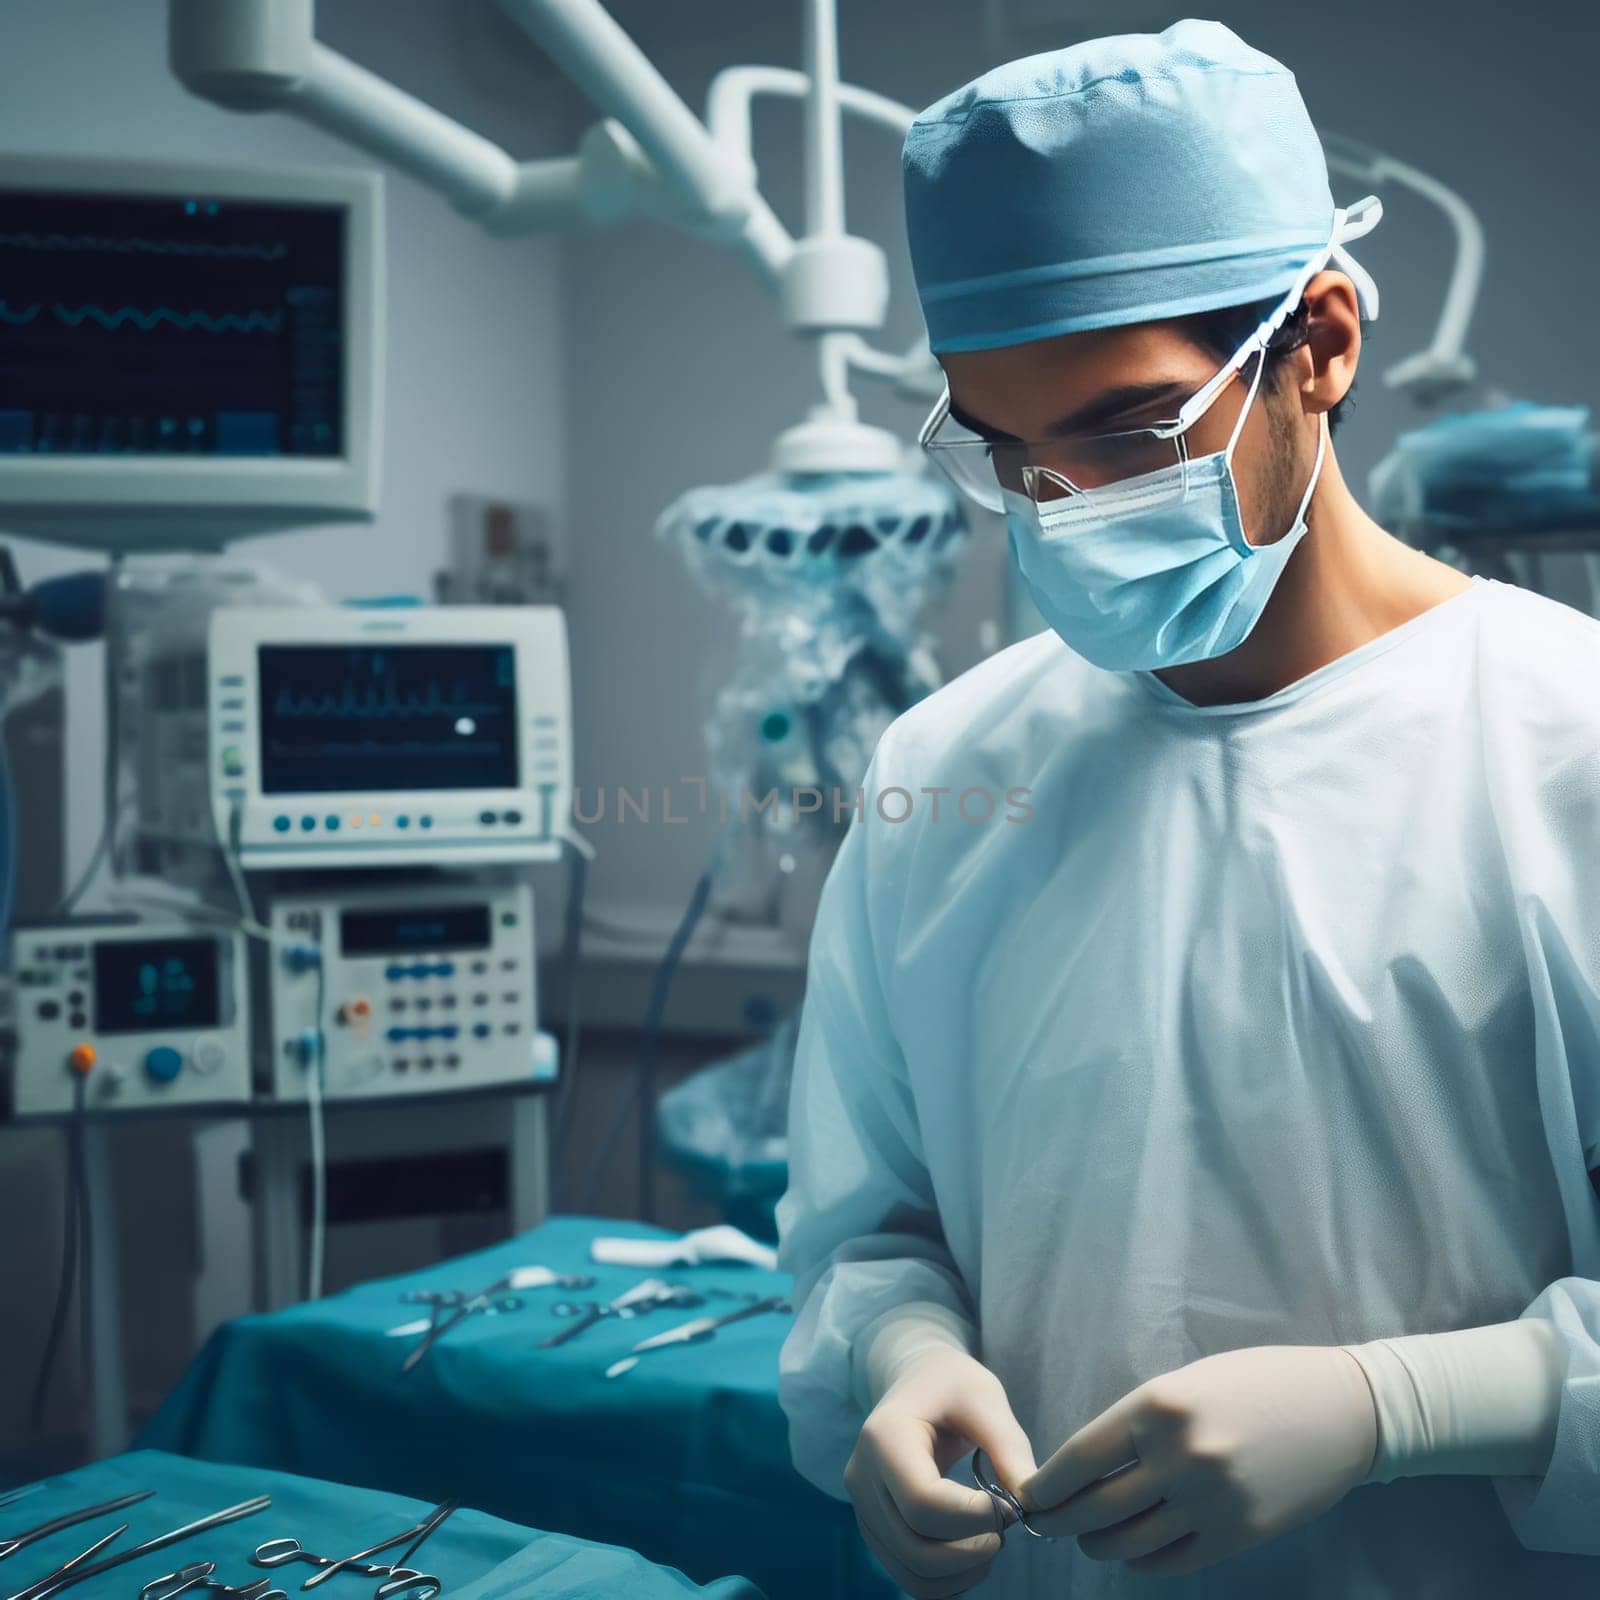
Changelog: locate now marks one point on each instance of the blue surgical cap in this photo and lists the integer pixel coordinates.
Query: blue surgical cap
(1121, 180)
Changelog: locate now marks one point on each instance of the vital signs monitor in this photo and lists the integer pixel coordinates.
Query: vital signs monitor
(187, 353)
(348, 736)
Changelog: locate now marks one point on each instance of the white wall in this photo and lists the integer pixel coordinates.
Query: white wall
(474, 401)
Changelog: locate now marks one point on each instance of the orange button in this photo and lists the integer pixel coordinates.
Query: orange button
(357, 1010)
(81, 1058)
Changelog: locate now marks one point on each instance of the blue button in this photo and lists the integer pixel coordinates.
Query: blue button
(449, 1031)
(281, 824)
(307, 824)
(163, 1063)
(488, 818)
(394, 972)
(421, 970)
(444, 969)
(481, 1030)
(398, 1035)
(402, 821)
(424, 822)
(332, 824)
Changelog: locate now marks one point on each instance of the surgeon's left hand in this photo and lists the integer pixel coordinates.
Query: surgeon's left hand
(1217, 1456)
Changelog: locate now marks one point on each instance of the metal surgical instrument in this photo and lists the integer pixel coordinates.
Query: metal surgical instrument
(695, 1332)
(1008, 1509)
(417, 1532)
(9, 1547)
(489, 1300)
(401, 1580)
(200, 1575)
(74, 1571)
(642, 1297)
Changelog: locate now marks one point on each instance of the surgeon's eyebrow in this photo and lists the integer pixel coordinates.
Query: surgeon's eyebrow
(1131, 401)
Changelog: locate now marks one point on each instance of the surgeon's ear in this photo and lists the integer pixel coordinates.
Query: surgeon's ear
(1333, 341)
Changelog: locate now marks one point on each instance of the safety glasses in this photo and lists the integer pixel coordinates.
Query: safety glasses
(1076, 464)
(1151, 459)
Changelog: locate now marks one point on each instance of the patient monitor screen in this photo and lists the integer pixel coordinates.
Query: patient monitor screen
(147, 985)
(363, 718)
(183, 325)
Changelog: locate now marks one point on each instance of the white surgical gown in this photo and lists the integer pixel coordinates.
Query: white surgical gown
(1271, 1023)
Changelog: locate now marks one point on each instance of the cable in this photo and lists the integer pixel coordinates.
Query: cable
(230, 862)
(649, 1042)
(69, 1260)
(111, 776)
(319, 1147)
(85, 1241)
(301, 956)
(8, 848)
(572, 945)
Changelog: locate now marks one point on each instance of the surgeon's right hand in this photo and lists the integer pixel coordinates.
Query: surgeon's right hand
(933, 1535)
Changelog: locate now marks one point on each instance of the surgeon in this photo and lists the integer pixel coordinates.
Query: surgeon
(1199, 1077)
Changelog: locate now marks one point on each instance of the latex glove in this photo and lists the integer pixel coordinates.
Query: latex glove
(935, 1537)
(1225, 1453)
(1477, 1400)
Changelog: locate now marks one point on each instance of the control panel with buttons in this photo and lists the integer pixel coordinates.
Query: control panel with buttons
(423, 988)
(140, 1014)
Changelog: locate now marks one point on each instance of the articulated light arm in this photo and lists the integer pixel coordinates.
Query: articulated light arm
(728, 116)
(649, 156)
(1444, 366)
(654, 159)
(716, 191)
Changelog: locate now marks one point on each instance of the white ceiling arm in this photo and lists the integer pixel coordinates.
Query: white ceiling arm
(589, 46)
(477, 176)
(1445, 365)
(732, 90)
(262, 55)
(824, 148)
(728, 116)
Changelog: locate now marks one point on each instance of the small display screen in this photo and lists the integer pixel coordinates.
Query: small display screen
(152, 985)
(170, 325)
(381, 933)
(360, 719)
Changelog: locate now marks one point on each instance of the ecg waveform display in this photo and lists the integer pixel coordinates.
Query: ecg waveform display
(366, 719)
(170, 325)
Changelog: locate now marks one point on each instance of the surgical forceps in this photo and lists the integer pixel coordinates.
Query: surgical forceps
(80, 1567)
(9, 1547)
(199, 1575)
(650, 1295)
(401, 1578)
(489, 1300)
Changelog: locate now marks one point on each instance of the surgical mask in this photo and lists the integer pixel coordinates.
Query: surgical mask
(1155, 571)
